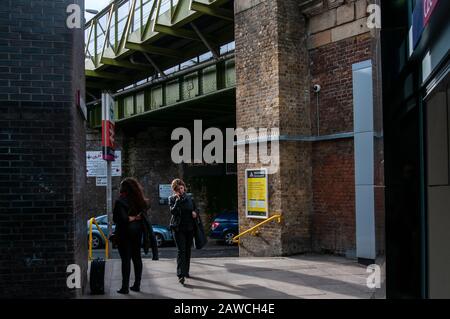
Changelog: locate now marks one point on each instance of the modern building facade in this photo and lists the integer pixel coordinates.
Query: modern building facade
(416, 46)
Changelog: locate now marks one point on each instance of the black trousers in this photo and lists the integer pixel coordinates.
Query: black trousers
(130, 249)
(183, 240)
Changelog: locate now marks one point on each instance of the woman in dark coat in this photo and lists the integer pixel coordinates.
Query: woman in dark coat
(184, 214)
(128, 217)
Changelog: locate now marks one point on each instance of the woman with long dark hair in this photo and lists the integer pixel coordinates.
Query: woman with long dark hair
(128, 217)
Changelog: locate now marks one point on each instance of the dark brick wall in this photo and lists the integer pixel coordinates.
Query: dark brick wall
(41, 150)
(145, 156)
(96, 195)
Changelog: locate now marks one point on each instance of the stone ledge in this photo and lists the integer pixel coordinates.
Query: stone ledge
(345, 13)
(242, 5)
(319, 39)
(338, 33)
(349, 30)
(324, 21)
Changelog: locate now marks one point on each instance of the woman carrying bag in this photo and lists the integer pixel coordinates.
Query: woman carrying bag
(184, 225)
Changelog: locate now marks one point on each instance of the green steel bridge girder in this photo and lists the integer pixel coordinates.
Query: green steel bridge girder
(127, 28)
(199, 91)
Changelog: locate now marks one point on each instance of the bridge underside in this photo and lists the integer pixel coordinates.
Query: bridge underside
(216, 110)
(142, 40)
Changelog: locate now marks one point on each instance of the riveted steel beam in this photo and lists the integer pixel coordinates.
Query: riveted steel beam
(212, 11)
(205, 41)
(122, 64)
(155, 66)
(154, 50)
(107, 75)
(177, 32)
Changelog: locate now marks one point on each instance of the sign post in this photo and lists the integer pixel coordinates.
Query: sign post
(256, 193)
(96, 166)
(108, 147)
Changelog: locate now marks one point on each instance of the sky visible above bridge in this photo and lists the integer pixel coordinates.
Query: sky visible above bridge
(95, 5)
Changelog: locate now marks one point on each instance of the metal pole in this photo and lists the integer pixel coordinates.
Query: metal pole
(107, 116)
(109, 196)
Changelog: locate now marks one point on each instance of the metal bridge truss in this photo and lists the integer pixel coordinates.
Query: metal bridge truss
(135, 40)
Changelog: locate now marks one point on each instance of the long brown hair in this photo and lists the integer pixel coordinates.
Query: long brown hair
(134, 191)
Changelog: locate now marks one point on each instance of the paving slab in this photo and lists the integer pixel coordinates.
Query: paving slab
(305, 276)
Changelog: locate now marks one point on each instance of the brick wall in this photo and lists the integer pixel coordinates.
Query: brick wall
(334, 197)
(278, 60)
(333, 161)
(272, 73)
(96, 195)
(331, 67)
(41, 150)
(257, 93)
(145, 156)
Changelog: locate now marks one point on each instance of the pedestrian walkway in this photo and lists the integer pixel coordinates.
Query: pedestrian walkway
(307, 276)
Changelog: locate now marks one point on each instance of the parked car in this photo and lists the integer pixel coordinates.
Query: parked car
(162, 233)
(225, 226)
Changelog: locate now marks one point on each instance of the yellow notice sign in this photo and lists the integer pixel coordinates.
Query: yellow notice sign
(256, 199)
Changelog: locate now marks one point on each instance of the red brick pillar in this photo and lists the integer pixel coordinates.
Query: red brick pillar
(272, 91)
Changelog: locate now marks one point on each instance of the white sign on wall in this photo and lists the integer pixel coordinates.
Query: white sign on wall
(96, 165)
(100, 181)
(165, 190)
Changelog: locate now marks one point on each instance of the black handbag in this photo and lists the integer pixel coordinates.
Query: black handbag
(149, 237)
(200, 239)
(113, 238)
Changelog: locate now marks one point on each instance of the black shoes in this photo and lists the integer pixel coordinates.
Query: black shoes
(135, 288)
(123, 291)
(181, 280)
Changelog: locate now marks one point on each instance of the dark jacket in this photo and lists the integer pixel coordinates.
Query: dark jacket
(184, 207)
(120, 218)
(181, 210)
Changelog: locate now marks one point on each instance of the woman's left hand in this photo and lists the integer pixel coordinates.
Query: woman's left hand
(194, 215)
(134, 218)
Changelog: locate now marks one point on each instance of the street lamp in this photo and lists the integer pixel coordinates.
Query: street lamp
(92, 11)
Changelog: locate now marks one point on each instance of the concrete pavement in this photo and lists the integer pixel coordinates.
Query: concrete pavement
(306, 276)
(212, 249)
